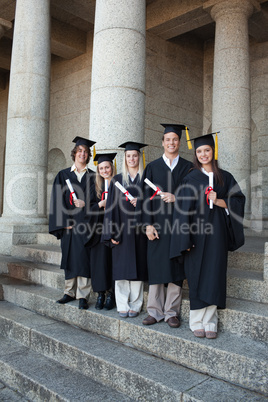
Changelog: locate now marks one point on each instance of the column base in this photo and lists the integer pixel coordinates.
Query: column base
(12, 234)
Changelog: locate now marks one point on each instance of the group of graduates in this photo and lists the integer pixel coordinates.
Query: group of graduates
(163, 224)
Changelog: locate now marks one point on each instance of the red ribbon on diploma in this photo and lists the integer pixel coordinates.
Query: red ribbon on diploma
(208, 190)
(126, 193)
(102, 196)
(155, 193)
(71, 198)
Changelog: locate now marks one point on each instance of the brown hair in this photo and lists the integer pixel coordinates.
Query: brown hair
(74, 151)
(99, 182)
(215, 167)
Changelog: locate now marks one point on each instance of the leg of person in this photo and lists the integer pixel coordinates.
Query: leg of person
(83, 291)
(100, 301)
(110, 300)
(196, 322)
(122, 291)
(155, 304)
(210, 322)
(172, 305)
(69, 291)
(135, 298)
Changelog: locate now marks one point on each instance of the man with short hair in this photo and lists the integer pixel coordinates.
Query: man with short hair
(156, 209)
(67, 222)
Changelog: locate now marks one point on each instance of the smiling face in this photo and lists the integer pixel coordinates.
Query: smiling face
(171, 144)
(132, 159)
(204, 154)
(105, 170)
(81, 155)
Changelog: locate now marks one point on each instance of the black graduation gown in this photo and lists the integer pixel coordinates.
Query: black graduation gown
(212, 233)
(100, 256)
(129, 256)
(160, 214)
(75, 257)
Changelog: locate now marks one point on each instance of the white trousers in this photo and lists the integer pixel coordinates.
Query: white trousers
(164, 303)
(78, 287)
(128, 295)
(205, 318)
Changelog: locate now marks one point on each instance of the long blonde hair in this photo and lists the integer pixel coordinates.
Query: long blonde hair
(125, 169)
(99, 181)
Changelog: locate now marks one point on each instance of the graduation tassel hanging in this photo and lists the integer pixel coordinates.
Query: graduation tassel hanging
(216, 147)
(188, 138)
(115, 166)
(94, 154)
(143, 159)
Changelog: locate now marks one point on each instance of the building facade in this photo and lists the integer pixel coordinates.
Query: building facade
(113, 70)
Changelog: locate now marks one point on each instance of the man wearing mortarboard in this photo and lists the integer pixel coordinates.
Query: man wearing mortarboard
(66, 222)
(156, 210)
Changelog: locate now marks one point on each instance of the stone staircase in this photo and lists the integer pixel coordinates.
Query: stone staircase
(53, 352)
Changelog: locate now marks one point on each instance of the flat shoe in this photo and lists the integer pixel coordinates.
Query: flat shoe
(211, 335)
(199, 333)
(173, 322)
(123, 314)
(133, 314)
(65, 299)
(149, 320)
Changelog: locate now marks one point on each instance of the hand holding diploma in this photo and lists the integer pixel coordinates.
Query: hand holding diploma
(210, 183)
(124, 191)
(154, 187)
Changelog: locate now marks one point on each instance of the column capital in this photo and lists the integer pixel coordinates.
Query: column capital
(217, 8)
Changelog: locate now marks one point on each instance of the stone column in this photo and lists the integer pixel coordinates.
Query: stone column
(117, 107)
(27, 123)
(231, 88)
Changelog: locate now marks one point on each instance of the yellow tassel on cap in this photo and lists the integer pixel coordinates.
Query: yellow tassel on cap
(115, 166)
(143, 159)
(94, 154)
(216, 147)
(188, 138)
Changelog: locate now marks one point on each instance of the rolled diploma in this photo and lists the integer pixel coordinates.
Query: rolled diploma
(121, 188)
(106, 188)
(150, 184)
(69, 184)
(210, 183)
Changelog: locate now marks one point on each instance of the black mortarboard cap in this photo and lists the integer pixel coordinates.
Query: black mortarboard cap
(104, 157)
(132, 146)
(206, 139)
(173, 128)
(83, 141)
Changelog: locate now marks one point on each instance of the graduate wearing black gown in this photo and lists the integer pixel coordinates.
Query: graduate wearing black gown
(208, 234)
(67, 220)
(156, 213)
(101, 256)
(126, 239)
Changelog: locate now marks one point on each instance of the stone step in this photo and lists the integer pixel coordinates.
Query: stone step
(140, 376)
(241, 316)
(230, 357)
(247, 285)
(40, 378)
(47, 239)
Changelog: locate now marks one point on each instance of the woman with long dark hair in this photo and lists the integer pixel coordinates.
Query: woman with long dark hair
(210, 224)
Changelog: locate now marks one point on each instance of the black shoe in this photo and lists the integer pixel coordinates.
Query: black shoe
(83, 304)
(110, 301)
(66, 299)
(100, 301)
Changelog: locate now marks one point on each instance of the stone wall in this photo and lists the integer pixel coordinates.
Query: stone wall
(174, 90)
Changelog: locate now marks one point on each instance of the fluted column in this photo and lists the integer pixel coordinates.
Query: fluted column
(28, 116)
(231, 88)
(118, 73)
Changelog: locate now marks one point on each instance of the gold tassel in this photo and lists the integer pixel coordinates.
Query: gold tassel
(115, 169)
(188, 138)
(143, 159)
(216, 147)
(94, 154)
